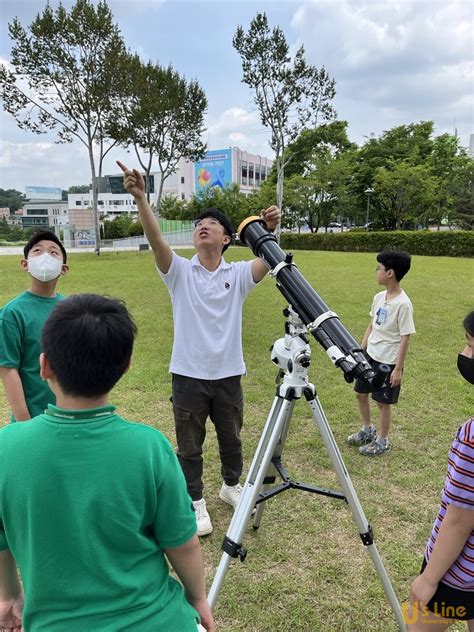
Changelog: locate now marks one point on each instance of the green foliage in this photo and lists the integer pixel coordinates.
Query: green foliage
(161, 115)
(462, 192)
(172, 207)
(322, 193)
(416, 179)
(229, 200)
(262, 197)
(80, 188)
(403, 193)
(313, 144)
(433, 243)
(12, 199)
(135, 230)
(119, 227)
(64, 66)
(13, 233)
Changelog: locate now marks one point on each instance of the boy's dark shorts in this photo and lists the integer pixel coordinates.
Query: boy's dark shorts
(385, 395)
(459, 601)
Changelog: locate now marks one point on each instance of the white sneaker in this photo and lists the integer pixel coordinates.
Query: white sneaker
(230, 494)
(204, 525)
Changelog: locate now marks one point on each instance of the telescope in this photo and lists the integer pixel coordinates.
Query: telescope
(340, 346)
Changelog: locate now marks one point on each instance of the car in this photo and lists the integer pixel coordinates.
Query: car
(334, 225)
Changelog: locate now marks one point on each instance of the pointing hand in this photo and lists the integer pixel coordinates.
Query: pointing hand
(133, 181)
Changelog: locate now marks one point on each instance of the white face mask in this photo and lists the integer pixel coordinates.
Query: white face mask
(44, 267)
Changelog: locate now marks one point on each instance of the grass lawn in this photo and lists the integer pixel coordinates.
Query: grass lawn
(306, 568)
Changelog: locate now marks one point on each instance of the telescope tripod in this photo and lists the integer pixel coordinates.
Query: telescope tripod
(293, 356)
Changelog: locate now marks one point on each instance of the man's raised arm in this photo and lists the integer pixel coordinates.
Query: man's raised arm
(135, 185)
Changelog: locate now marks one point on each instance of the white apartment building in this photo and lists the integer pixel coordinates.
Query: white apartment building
(44, 214)
(44, 208)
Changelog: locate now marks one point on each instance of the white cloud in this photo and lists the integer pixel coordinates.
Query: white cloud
(394, 62)
(237, 127)
(46, 163)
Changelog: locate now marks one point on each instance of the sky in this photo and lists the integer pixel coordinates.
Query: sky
(394, 63)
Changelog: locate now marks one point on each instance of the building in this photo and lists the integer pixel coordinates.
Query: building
(218, 168)
(44, 208)
(226, 166)
(13, 219)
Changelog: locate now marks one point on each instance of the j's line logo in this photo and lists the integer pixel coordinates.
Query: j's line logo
(416, 614)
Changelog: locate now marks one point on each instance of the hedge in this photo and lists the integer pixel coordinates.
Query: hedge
(459, 243)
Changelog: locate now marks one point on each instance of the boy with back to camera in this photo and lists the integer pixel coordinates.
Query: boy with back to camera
(207, 362)
(21, 322)
(93, 505)
(385, 342)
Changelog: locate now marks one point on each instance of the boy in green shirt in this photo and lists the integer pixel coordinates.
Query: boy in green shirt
(21, 322)
(91, 505)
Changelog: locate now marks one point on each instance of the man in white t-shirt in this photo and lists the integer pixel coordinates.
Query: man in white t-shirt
(386, 342)
(207, 362)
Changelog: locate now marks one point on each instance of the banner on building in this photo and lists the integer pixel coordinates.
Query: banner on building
(43, 193)
(214, 170)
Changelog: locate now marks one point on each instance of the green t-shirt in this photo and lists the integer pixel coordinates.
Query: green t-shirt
(88, 502)
(21, 322)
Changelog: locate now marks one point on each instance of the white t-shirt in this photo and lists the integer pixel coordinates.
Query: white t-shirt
(390, 321)
(207, 317)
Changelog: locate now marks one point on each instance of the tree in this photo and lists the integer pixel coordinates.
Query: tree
(12, 199)
(119, 227)
(172, 207)
(311, 144)
(302, 202)
(411, 144)
(403, 194)
(79, 188)
(135, 230)
(289, 95)
(319, 174)
(162, 116)
(463, 192)
(448, 164)
(229, 199)
(64, 67)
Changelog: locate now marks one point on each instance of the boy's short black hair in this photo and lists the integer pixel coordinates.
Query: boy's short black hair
(397, 260)
(88, 340)
(468, 323)
(216, 213)
(42, 235)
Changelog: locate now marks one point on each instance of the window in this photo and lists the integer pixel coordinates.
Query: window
(250, 174)
(182, 179)
(182, 196)
(244, 172)
(78, 203)
(37, 211)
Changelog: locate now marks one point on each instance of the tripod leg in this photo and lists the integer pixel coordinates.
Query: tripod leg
(271, 473)
(275, 427)
(365, 530)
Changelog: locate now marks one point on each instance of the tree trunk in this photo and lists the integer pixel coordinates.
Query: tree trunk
(95, 199)
(160, 193)
(279, 191)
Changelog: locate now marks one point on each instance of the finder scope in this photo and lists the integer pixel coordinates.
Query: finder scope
(342, 349)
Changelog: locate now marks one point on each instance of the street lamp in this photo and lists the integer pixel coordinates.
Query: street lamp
(368, 192)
